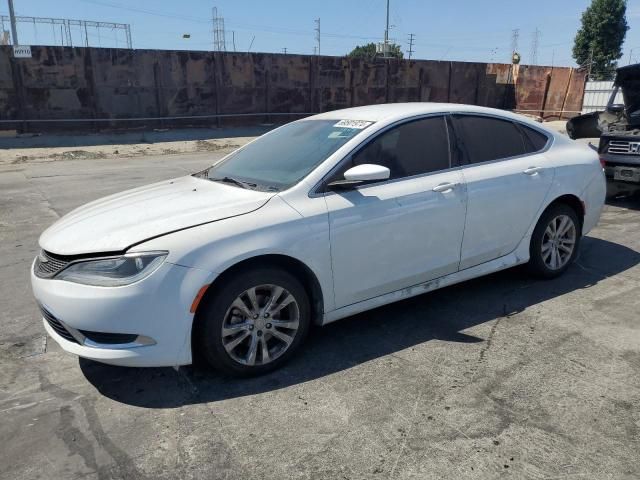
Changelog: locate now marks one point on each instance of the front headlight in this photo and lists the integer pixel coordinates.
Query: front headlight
(113, 271)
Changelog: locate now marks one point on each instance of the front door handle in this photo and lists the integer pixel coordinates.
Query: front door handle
(444, 187)
(533, 170)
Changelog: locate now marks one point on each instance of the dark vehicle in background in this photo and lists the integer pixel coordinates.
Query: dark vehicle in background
(619, 130)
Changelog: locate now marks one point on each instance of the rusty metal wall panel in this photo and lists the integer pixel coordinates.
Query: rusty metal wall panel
(64, 82)
(6, 78)
(464, 80)
(575, 94)
(403, 82)
(288, 77)
(436, 76)
(530, 87)
(558, 84)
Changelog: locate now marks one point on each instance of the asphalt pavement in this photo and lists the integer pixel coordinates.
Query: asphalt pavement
(501, 377)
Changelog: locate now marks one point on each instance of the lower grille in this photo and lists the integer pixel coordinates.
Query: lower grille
(109, 338)
(55, 324)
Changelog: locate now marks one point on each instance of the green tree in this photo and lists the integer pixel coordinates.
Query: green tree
(598, 43)
(368, 51)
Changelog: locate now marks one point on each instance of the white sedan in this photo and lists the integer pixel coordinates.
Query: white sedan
(317, 220)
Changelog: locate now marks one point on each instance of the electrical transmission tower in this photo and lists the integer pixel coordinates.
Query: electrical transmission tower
(317, 29)
(535, 42)
(411, 38)
(219, 41)
(515, 34)
(83, 27)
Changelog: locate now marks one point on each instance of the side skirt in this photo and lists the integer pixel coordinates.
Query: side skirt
(517, 257)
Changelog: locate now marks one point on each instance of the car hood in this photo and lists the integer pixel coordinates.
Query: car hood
(114, 223)
(628, 78)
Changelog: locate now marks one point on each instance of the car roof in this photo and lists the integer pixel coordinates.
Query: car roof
(389, 112)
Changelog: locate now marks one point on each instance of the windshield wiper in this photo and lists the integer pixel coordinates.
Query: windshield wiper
(234, 181)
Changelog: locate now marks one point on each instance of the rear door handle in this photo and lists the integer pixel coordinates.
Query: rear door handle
(444, 187)
(533, 170)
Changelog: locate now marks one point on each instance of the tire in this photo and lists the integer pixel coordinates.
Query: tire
(231, 307)
(541, 263)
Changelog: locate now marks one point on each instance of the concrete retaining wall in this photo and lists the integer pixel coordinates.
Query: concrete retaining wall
(96, 83)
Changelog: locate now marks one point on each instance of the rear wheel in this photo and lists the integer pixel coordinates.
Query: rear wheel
(254, 323)
(555, 241)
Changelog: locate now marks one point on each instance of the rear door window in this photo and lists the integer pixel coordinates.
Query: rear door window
(485, 138)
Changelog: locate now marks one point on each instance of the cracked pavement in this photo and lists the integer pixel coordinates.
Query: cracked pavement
(503, 376)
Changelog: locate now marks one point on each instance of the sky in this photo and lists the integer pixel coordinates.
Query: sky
(462, 30)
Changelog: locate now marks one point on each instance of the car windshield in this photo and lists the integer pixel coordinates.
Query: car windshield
(285, 156)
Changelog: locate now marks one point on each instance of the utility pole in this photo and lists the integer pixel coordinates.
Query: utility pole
(411, 38)
(317, 29)
(385, 52)
(284, 50)
(630, 53)
(14, 32)
(590, 62)
(233, 39)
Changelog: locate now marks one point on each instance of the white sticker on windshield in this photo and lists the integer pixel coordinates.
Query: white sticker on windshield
(357, 124)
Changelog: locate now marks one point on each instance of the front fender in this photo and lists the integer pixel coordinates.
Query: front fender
(275, 229)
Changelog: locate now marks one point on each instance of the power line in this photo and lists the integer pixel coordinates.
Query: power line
(156, 13)
(279, 30)
(411, 38)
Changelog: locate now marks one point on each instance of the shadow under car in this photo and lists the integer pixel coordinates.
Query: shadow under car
(443, 315)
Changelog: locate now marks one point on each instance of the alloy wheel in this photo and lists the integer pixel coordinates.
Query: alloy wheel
(260, 325)
(558, 242)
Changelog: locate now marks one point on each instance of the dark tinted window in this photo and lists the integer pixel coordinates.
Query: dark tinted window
(413, 148)
(486, 138)
(534, 140)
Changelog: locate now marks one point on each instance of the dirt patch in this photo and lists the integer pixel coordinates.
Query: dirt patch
(15, 156)
(214, 146)
(79, 155)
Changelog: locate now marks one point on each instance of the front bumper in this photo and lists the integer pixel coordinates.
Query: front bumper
(154, 312)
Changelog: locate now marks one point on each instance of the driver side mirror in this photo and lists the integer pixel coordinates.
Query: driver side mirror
(360, 174)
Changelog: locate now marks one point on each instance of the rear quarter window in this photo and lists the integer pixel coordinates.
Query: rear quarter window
(534, 141)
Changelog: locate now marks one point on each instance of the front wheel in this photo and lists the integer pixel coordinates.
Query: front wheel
(254, 323)
(555, 241)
